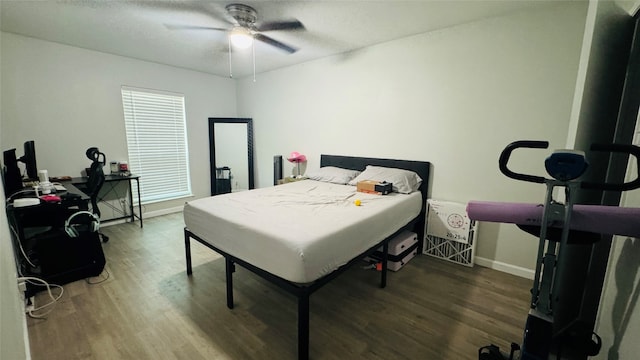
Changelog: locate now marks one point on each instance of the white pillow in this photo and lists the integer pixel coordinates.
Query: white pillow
(403, 181)
(333, 174)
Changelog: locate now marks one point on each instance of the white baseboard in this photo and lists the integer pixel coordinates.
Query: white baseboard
(147, 215)
(504, 267)
(163, 212)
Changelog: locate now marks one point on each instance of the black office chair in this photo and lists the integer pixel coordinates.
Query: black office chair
(95, 181)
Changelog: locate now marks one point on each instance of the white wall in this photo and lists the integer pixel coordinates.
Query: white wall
(68, 99)
(13, 327)
(630, 6)
(14, 342)
(455, 97)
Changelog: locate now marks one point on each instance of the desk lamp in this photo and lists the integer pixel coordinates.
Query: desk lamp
(296, 157)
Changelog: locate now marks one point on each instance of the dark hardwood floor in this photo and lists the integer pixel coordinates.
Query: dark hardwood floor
(148, 308)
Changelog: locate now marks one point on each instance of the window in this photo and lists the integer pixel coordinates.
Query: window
(157, 143)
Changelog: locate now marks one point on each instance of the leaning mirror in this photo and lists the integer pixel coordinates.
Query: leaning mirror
(231, 154)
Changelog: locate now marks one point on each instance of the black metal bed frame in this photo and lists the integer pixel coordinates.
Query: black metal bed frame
(303, 291)
(300, 291)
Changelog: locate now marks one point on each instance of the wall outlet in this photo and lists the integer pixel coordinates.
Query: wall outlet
(28, 302)
(22, 286)
(22, 289)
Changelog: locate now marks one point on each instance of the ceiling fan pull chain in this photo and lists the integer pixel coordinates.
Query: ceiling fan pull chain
(253, 48)
(229, 42)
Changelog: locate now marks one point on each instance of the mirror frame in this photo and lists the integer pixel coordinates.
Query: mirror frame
(212, 148)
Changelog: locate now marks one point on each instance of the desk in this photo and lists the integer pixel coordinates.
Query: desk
(110, 182)
(81, 203)
(45, 250)
(45, 214)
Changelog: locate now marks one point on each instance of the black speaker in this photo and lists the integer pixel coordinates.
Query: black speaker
(62, 259)
(277, 169)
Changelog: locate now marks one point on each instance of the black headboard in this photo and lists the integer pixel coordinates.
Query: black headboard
(422, 168)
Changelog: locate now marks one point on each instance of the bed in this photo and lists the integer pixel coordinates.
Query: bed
(303, 234)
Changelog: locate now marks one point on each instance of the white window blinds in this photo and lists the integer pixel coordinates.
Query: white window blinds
(157, 143)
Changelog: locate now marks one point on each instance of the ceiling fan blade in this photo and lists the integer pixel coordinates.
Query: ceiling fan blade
(281, 25)
(276, 43)
(192, 27)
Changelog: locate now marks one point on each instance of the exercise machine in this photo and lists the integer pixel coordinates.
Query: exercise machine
(548, 333)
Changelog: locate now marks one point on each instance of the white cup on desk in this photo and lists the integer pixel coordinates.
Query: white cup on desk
(44, 186)
(43, 176)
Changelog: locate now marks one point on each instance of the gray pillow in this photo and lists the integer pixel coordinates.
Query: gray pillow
(333, 174)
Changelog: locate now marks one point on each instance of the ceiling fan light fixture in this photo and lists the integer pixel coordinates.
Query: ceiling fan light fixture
(241, 37)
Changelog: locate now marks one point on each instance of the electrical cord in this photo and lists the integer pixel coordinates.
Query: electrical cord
(105, 271)
(54, 299)
(21, 248)
(10, 198)
(124, 203)
(15, 232)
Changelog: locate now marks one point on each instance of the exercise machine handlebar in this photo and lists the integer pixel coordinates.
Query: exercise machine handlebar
(609, 148)
(506, 154)
(616, 148)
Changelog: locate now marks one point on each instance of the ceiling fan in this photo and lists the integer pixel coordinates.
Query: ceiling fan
(244, 29)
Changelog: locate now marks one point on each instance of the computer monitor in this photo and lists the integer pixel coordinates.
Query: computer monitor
(29, 160)
(12, 177)
(11, 173)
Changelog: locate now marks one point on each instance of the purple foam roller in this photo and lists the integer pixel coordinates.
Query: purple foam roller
(612, 220)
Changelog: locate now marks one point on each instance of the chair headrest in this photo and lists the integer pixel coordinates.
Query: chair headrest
(94, 155)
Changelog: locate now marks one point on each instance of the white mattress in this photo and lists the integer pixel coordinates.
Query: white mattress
(302, 230)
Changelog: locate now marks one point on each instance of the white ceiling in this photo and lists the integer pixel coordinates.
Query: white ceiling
(137, 28)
